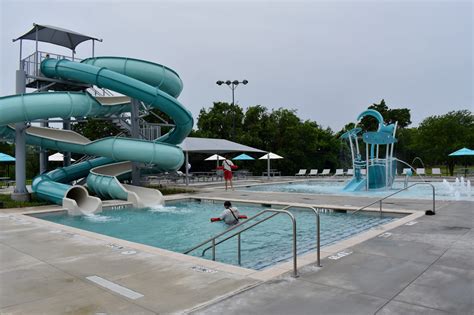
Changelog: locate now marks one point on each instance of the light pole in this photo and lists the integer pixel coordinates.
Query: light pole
(232, 85)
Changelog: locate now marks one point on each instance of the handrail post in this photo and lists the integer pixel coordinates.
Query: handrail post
(238, 249)
(295, 267)
(214, 249)
(318, 232)
(318, 244)
(380, 206)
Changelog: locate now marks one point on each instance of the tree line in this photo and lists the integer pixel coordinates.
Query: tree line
(306, 144)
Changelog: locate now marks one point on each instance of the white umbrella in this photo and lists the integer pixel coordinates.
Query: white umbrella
(57, 157)
(270, 156)
(215, 157)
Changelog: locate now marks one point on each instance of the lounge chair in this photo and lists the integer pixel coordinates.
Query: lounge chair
(363, 171)
(326, 172)
(302, 172)
(420, 171)
(350, 172)
(339, 172)
(405, 170)
(313, 172)
(436, 171)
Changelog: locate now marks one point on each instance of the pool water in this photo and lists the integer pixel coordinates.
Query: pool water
(178, 226)
(442, 192)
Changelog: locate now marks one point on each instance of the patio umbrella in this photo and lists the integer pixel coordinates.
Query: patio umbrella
(7, 159)
(243, 157)
(270, 156)
(57, 157)
(463, 152)
(215, 157)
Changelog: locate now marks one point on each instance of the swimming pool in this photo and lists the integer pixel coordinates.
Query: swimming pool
(183, 224)
(443, 191)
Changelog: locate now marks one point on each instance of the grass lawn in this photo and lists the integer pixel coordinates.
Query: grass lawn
(7, 202)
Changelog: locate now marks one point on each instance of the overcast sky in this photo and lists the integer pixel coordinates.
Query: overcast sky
(327, 59)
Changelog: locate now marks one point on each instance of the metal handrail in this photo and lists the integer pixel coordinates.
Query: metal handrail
(380, 201)
(276, 212)
(318, 226)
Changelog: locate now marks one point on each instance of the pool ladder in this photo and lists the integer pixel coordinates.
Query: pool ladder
(380, 201)
(274, 212)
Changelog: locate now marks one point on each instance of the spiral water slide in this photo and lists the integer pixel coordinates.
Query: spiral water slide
(151, 83)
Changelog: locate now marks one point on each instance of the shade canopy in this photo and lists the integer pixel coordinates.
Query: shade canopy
(57, 157)
(462, 152)
(209, 145)
(56, 35)
(5, 158)
(215, 157)
(273, 156)
(243, 157)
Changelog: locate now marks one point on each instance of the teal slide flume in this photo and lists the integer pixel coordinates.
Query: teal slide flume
(153, 84)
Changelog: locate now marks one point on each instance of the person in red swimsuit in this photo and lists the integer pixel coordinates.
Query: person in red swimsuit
(228, 167)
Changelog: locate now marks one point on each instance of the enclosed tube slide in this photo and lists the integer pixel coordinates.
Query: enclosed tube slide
(154, 84)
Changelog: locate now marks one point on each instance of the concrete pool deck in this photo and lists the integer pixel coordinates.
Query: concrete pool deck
(426, 267)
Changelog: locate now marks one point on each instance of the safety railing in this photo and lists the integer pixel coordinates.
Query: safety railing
(237, 234)
(212, 240)
(380, 201)
(31, 64)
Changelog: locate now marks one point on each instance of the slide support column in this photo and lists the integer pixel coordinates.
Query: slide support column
(20, 193)
(67, 155)
(43, 156)
(135, 132)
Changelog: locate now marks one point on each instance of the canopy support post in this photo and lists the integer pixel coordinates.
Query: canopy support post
(268, 165)
(187, 168)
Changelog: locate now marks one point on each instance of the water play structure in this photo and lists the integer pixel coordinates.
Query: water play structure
(62, 89)
(378, 169)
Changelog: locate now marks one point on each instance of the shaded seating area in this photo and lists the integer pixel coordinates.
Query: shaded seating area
(192, 145)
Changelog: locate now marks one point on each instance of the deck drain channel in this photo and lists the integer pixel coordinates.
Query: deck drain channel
(115, 287)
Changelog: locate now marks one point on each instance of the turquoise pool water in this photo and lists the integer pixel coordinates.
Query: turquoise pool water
(442, 191)
(179, 226)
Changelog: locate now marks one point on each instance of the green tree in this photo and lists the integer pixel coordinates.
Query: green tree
(438, 136)
(304, 144)
(390, 116)
(223, 121)
(94, 129)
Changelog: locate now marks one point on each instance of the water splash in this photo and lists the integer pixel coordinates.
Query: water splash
(98, 218)
(459, 188)
(168, 209)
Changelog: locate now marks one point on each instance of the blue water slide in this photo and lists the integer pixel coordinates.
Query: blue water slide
(154, 84)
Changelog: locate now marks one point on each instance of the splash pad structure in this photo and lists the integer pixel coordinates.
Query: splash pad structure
(378, 170)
